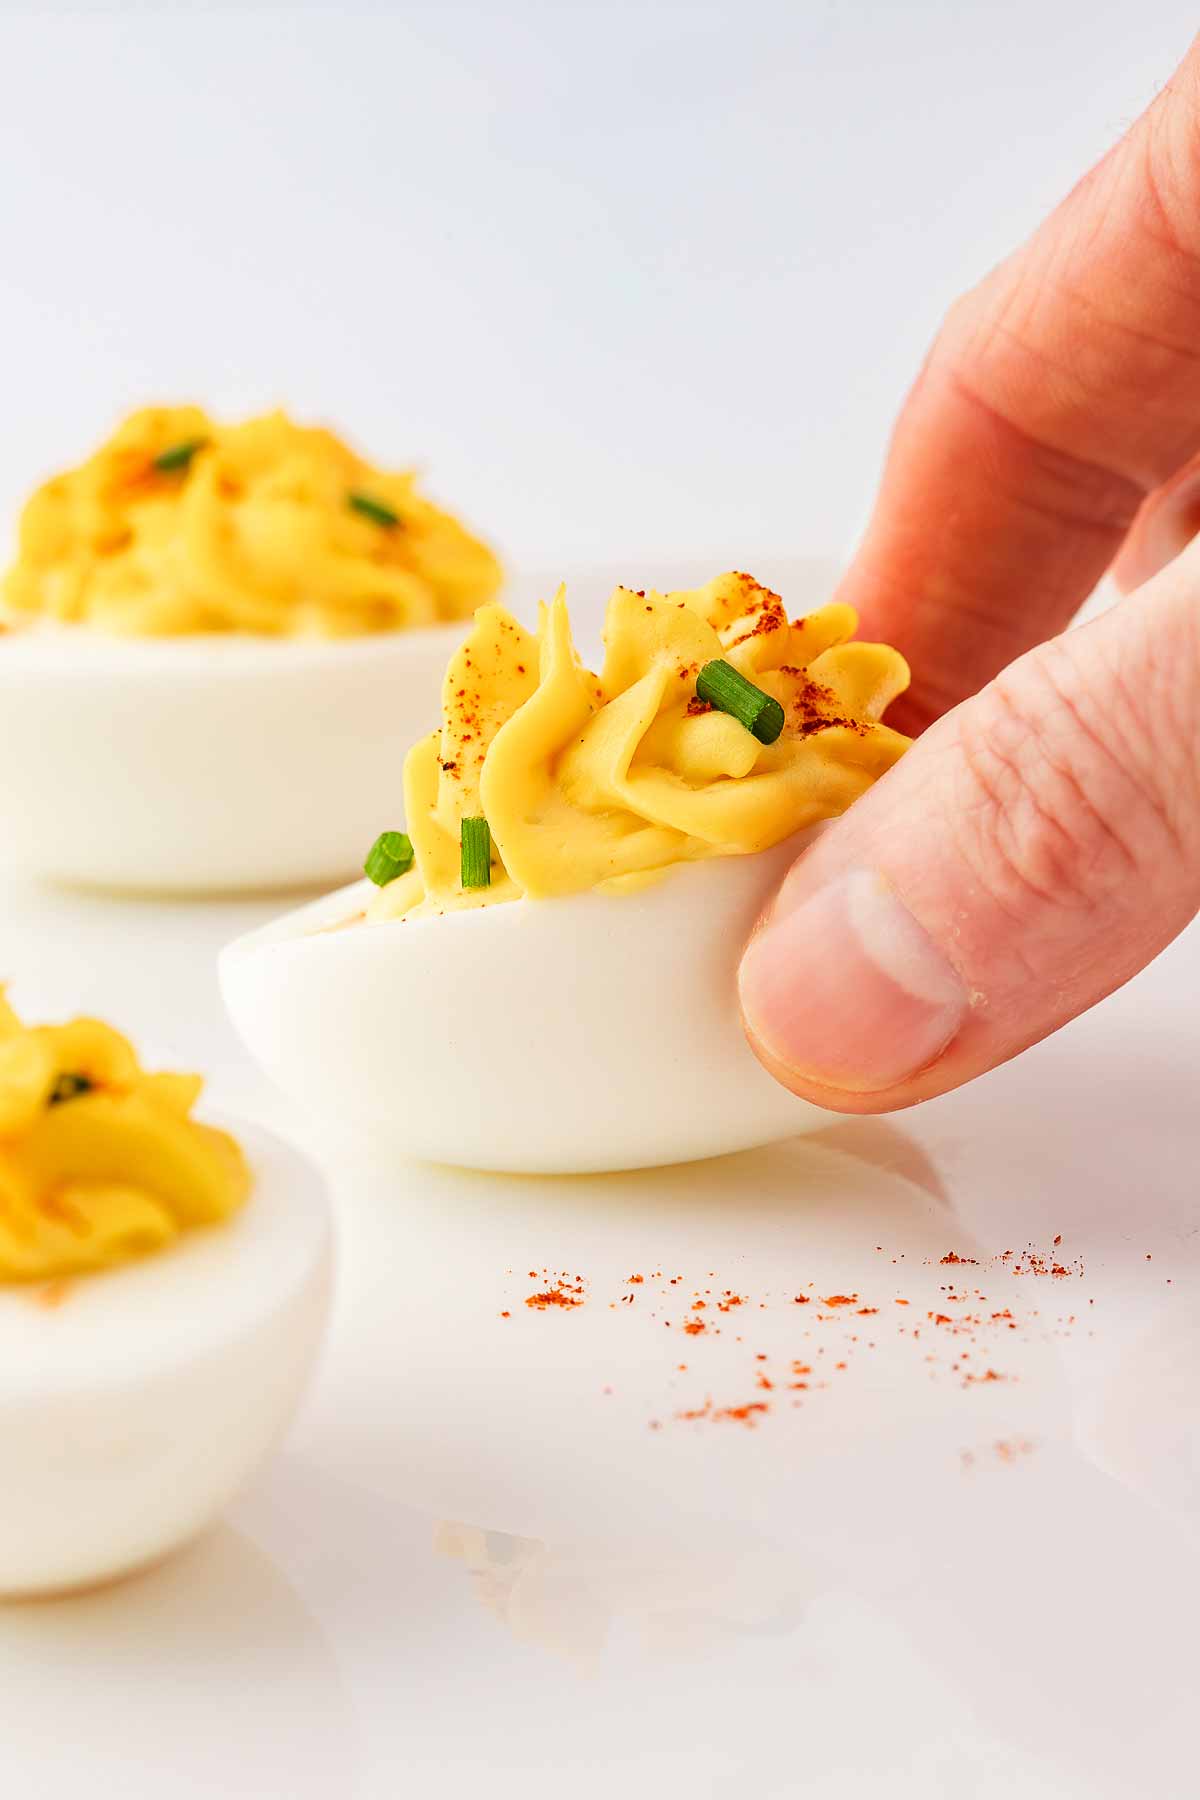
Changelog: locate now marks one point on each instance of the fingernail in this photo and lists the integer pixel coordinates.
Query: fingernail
(1166, 525)
(848, 990)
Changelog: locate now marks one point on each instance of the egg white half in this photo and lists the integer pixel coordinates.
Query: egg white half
(599, 1031)
(206, 764)
(132, 1411)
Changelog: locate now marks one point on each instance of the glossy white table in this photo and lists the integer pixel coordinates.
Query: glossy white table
(475, 1569)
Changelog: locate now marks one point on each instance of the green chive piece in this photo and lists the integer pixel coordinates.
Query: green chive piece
(727, 689)
(390, 855)
(179, 456)
(376, 510)
(476, 853)
(69, 1087)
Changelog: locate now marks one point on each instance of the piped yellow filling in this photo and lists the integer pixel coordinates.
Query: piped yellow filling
(590, 780)
(100, 1162)
(179, 524)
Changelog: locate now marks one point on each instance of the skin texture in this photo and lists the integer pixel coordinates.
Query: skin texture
(1041, 842)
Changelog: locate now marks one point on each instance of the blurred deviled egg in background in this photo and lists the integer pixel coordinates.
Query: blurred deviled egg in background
(216, 643)
(163, 1290)
(540, 972)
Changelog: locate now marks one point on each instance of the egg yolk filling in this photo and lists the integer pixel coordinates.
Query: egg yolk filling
(180, 525)
(585, 779)
(100, 1162)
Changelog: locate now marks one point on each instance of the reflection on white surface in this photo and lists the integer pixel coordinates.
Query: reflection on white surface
(1003, 1634)
(995, 1634)
(683, 1604)
(204, 1676)
(1140, 1420)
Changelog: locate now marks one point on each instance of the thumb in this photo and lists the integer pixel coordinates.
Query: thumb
(1037, 847)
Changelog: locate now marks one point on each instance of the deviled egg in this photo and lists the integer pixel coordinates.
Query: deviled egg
(216, 642)
(163, 1290)
(539, 974)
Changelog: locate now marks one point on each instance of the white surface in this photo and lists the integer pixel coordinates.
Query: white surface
(132, 1411)
(206, 765)
(833, 1603)
(597, 1031)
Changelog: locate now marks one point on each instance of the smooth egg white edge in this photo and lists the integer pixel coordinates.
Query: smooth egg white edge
(134, 1410)
(595, 1032)
(207, 764)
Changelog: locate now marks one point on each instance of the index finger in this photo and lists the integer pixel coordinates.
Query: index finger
(1057, 395)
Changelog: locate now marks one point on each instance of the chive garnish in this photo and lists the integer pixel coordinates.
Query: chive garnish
(390, 855)
(476, 853)
(727, 689)
(69, 1086)
(376, 510)
(179, 456)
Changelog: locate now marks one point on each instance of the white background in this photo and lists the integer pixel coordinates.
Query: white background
(627, 278)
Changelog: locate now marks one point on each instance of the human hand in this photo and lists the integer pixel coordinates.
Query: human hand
(1041, 842)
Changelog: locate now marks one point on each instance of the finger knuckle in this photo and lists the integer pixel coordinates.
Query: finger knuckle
(1038, 418)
